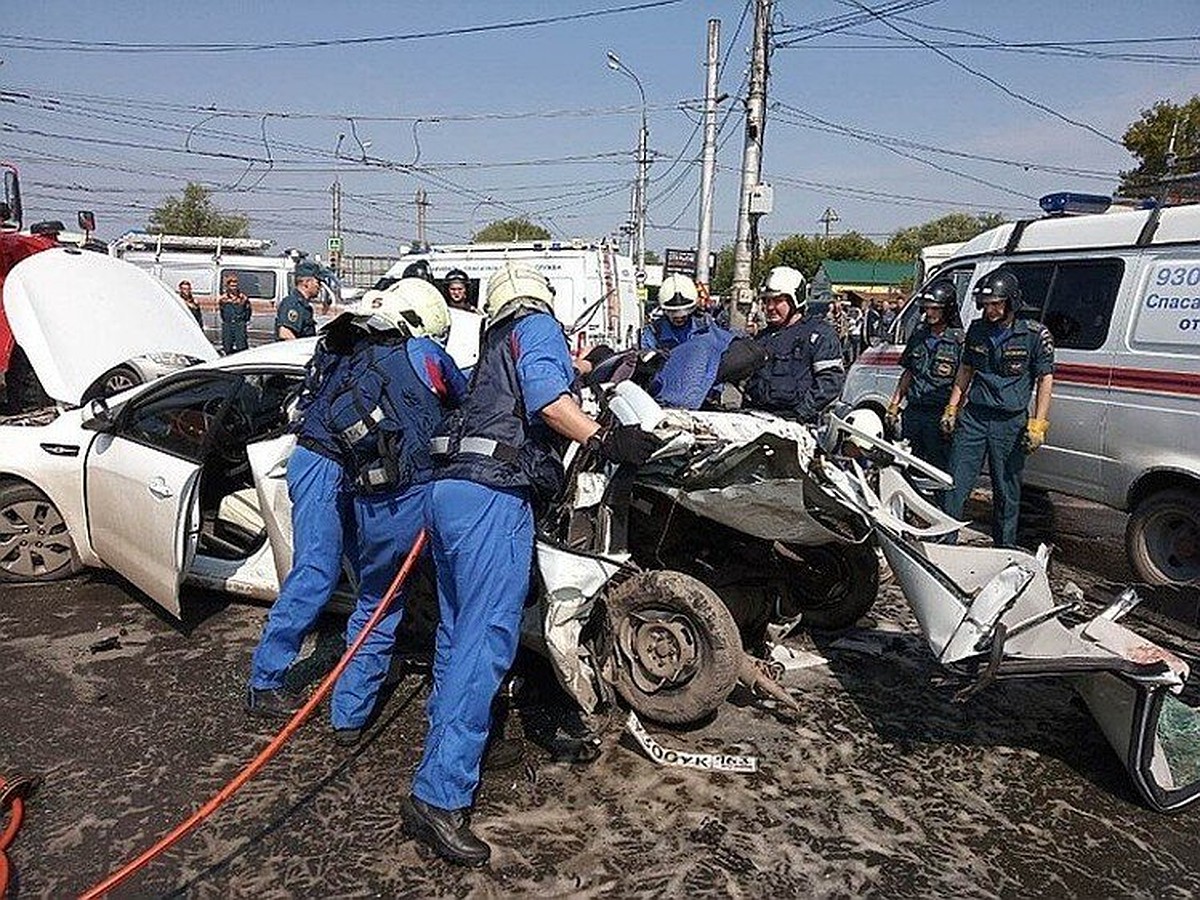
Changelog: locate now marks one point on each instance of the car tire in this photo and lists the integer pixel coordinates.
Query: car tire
(34, 542)
(1162, 538)
(831, 586)
(115, 380)
(666, 620)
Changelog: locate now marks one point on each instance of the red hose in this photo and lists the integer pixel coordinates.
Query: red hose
(10, 832)
(181, 830)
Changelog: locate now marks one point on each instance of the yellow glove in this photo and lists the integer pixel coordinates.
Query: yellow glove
(1035, 433)
(949, 420)
(892, 419)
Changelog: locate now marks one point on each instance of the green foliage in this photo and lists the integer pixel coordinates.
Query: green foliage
(805, 252)
(1148, 138)
(652, 258)
(194, 214)
(506, 231)
(904, 244)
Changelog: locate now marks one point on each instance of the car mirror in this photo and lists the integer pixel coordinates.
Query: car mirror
(87, 220)
(100, 417)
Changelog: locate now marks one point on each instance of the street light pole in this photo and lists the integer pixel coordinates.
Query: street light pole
(639, 192)
(335, 237)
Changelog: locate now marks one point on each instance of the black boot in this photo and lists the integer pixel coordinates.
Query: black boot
(272, 703)
(444, 830)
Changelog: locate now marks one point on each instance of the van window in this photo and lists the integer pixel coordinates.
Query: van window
(1073, 299)
(257, 284)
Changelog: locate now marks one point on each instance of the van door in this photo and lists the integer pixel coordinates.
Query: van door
(1074, 299)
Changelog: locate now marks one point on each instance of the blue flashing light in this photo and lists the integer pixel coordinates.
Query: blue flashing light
(1068, 203)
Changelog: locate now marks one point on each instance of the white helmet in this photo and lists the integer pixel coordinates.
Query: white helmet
(411, 304)
(677, 294)
(786, 280)
(868, 422)
(516, 286)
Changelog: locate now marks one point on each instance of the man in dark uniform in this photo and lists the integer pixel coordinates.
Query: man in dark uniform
(458, 285)
(234, 308)
(295, 317)
(804, 371)
(185, 294)
(495, 455)
(930, 362)
(1005, 359)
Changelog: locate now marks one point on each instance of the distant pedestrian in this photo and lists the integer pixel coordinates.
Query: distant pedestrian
(185, 294)
(234, 308)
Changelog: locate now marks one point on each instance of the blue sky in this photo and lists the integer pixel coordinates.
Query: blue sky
(81, 135)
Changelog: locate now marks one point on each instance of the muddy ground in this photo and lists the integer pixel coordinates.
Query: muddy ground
(884, 786)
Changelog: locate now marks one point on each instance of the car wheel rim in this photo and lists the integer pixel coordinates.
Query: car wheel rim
(661, 650)
(33, 539)
(1173, 542)
(117, 383)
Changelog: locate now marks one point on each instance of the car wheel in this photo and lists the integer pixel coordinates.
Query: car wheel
(34, 542)
(1163, 537)
(675, 647)
(831, 586)
(122, 378)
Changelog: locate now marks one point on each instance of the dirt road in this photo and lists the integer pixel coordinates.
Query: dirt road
(883, 786)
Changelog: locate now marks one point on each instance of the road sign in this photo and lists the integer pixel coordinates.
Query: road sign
(680, 262)
(335, 244)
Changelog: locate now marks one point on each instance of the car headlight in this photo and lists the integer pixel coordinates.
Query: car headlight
(172, 360)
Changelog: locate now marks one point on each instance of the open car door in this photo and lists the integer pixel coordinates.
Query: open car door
(143, 477)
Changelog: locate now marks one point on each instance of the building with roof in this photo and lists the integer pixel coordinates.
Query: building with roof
(861, 281)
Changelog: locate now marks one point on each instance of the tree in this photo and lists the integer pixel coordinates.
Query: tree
(800, 251)
(1148, 139)
(507, 231)
(194, 214)
(652, 258)
(953, 228)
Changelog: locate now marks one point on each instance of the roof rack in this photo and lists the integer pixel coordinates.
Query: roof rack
(140, 240)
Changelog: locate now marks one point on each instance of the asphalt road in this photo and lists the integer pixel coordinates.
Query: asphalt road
(883, 786)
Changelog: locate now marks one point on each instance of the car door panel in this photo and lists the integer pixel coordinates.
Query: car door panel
(268, 464)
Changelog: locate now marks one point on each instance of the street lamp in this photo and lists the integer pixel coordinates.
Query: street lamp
(639, 197)
(335, 237)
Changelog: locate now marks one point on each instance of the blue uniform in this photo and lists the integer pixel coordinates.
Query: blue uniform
(1008, 361)
(234, 318)
(322, 526)
(690, 373)
(932, 361)
(409, 383)
(663, 334)
(804, 371)
(495, 454)
(295, 314)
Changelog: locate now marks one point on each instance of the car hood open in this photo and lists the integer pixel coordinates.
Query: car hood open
(78, 314)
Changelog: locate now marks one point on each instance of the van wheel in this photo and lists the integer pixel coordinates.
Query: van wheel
(1163, 537)
(676, 649)
(34, 542)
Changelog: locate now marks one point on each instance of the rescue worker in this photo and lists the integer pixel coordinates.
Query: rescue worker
(391, 396)
(458, 285)
(679, 319)
(929, 363)
(1005, 359)
(804, 371)
(419, 269)
(322, 530)
(234, 309)
(495, 457)
(295, 317)
(193, 305)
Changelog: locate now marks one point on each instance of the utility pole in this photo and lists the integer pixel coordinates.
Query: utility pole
(704, 238)
(422, 201)
(335, 235)
(828, 218)
(756, 120)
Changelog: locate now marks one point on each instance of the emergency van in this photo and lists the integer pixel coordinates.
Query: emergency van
(1120, 293)
(207, 261)
(595, 292)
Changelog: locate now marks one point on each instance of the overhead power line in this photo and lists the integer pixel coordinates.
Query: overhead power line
(33, 42)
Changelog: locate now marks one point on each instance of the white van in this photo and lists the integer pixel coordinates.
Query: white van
(1121, 294)
(595, 292)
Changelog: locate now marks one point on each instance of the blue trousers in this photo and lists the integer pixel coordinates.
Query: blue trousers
(996, 435)
(482, 547)
(322, 525)
(921, 427)
(387, 527)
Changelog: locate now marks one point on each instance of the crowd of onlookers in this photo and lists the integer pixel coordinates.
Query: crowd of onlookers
(857, 326)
